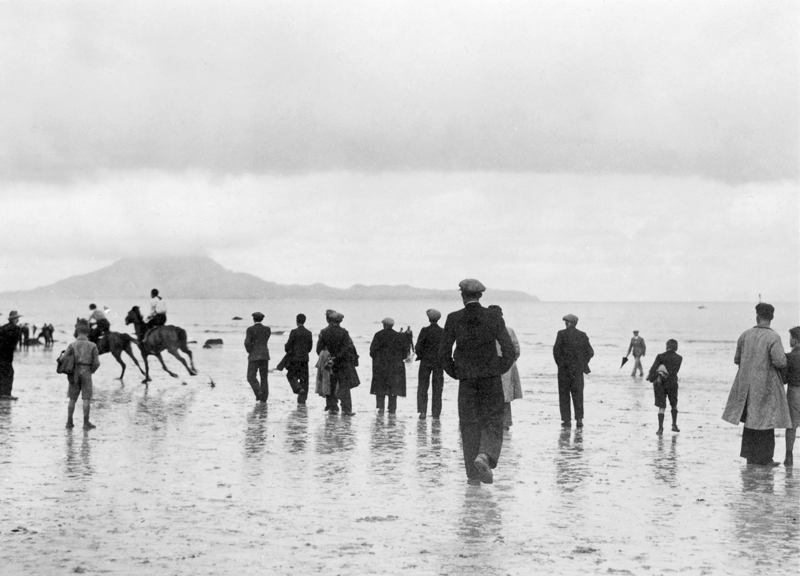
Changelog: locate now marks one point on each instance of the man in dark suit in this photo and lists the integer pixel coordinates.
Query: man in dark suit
(297, 348)
(666, 385)
(336, 340)
(388, 350)
(255, 343)
(430, 369)
(572, 353)
(478, 368)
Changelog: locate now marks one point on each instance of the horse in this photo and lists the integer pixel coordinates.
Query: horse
(117, 343)
(155, 341)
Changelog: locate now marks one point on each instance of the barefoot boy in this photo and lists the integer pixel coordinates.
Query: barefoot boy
(664, 376)
(87, 361)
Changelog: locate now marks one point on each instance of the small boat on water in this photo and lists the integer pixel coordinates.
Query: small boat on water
(702, 307)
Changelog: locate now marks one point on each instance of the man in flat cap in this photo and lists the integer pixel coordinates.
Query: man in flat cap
(255, 343)
(336, 340)
(388, 350)
(430, 369)
(757, 397)
(9, 336)
(572, 353)
(297, 347)
(478, 368)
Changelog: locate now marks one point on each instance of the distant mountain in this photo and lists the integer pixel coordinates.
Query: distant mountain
(199, 277)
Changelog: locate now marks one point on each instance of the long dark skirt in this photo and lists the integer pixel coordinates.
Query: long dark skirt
(758, 446)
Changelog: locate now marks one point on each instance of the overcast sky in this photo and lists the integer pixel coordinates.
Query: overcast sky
(573, 150)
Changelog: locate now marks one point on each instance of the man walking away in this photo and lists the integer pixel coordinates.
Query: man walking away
(664, 376)
(297, 348)
(430, 369)
(256, 343)
(572, 353)
(476, 365)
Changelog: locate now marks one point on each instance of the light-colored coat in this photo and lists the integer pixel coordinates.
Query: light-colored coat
(758, 383)
(512, 386)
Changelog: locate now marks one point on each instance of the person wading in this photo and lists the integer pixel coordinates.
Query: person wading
(476, 365)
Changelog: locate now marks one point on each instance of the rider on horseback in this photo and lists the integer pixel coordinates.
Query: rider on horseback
(158, 312)
(100, 322)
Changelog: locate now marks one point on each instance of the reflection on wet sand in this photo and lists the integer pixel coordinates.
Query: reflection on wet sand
(387, 445)
(78, 460)
(480, 534)
(297, 430)
(570, 467)
(255, 436)
(665, 464)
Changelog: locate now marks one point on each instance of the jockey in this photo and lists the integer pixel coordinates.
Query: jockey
(158, 311)
(99, 323)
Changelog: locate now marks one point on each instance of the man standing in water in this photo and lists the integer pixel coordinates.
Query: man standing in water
(86, 362)
(757, 397)
(665, 385)
(478, 368)
(792, 380)
(637, 346)
(9, 336)
(572, 353)
(256, 343)
(336, 340)
(430, 369)
(297, 347)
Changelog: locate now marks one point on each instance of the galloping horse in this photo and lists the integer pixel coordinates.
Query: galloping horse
(117, 343)
(169, 338)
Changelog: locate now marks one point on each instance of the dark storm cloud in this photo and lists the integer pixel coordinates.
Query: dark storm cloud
(681, 89)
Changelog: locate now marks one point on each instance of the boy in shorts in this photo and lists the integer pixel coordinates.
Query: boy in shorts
(664, 376)
(87, 361)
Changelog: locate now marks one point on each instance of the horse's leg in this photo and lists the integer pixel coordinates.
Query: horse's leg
(118, 357)
(174, 352)
(164, 366)
(129, 351)
(146, 368)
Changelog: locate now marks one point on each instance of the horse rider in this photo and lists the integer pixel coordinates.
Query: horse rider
(158, 311)
(98, 322)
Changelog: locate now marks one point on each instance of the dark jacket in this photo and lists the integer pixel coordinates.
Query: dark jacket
(336, 340)
(572, 351)
(672, 362)
(428, 343)
(388, 350)
(791, 374)
(9, 337)
(299, 345)
(255, 342)
(475, 330)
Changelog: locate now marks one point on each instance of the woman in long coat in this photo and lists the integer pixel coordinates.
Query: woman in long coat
(757, 397)
(512, 386)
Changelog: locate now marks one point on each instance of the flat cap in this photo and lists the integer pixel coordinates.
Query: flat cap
(388, 321)
(336, 316)
(570, 318)
(433, 315)
(258, 316)
(471, 285)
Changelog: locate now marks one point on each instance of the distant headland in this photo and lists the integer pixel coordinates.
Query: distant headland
(201, 278)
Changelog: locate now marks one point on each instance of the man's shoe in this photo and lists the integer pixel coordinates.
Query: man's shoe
(660, 431)
(474, 481)
(579, 424)
(566, 424)
(348, 413)
(88, 426)
(789, 461)
(421, 416)
(675, 428)
(484, 470)
(8, 397)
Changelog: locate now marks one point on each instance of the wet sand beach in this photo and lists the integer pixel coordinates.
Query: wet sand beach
(184, 478)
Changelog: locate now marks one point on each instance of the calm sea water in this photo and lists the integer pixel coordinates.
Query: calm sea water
(184, 478)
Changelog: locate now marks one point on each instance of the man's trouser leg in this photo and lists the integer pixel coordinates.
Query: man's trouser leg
(252, 371)
(380, 401)
(438, 387)
(422, 387)
(576, 389)
(6, 378)
(480, 415)
(564, 397)
(343, 393)
(263, 370)
(392, 403)
(637, 364)
(302, 372)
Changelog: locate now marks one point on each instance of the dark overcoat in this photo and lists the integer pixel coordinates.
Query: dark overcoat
(572, 353)
(336, 340)
(388, 351)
